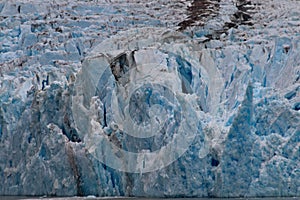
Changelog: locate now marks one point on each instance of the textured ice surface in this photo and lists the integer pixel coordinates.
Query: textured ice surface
(215, 84)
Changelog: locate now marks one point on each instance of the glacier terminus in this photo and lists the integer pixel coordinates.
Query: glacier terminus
(150, 98)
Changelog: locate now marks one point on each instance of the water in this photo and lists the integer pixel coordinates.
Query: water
(137, 198)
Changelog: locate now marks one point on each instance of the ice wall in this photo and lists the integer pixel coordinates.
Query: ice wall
(211, 110)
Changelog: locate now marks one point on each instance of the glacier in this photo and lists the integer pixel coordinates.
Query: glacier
(150, 98)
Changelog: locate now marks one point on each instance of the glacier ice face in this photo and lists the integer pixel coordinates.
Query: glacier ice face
(143, 119)
(211, 111)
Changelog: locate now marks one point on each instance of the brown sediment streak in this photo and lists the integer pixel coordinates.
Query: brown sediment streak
(199, 12)
(74, 167)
